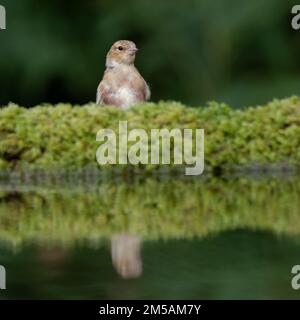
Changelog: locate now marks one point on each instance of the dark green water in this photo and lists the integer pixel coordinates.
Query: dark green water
(204, 239)
(233, 265)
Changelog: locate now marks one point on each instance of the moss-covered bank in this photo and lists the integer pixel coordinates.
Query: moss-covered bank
(64, 136)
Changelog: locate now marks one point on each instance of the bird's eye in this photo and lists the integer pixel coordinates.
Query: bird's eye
(120, 48)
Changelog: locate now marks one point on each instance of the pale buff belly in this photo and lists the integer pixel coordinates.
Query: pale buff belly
(126, 97)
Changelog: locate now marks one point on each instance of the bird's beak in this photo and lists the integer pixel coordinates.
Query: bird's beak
(133, 50)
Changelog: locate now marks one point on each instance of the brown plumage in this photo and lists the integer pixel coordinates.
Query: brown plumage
(122, 85)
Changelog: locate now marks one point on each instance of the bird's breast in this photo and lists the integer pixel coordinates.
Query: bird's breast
(125, 86)
(127, 96)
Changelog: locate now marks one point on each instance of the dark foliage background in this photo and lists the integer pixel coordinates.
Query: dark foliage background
(240, 52)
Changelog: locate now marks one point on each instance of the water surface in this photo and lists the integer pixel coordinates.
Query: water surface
(207, 238)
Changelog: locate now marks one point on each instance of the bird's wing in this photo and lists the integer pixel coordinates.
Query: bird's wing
(147, 92)
(100, 92)
(103, 92)
(98, 97)
(106, 95)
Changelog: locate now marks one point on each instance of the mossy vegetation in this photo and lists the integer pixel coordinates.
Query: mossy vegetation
(64, 136)
(151, 209)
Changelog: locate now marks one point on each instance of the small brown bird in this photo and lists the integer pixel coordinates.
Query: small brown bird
(122, 85)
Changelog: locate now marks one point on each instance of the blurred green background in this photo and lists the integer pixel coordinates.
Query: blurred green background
(240, 52)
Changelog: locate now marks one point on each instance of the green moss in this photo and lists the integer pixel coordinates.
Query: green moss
(65, 136)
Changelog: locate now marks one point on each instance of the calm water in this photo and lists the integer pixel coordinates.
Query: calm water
(172, 239)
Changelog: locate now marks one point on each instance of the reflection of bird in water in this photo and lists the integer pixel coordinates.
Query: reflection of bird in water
(122, 85)
(126, 255)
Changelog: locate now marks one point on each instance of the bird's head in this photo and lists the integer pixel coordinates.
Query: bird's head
(121, 52)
